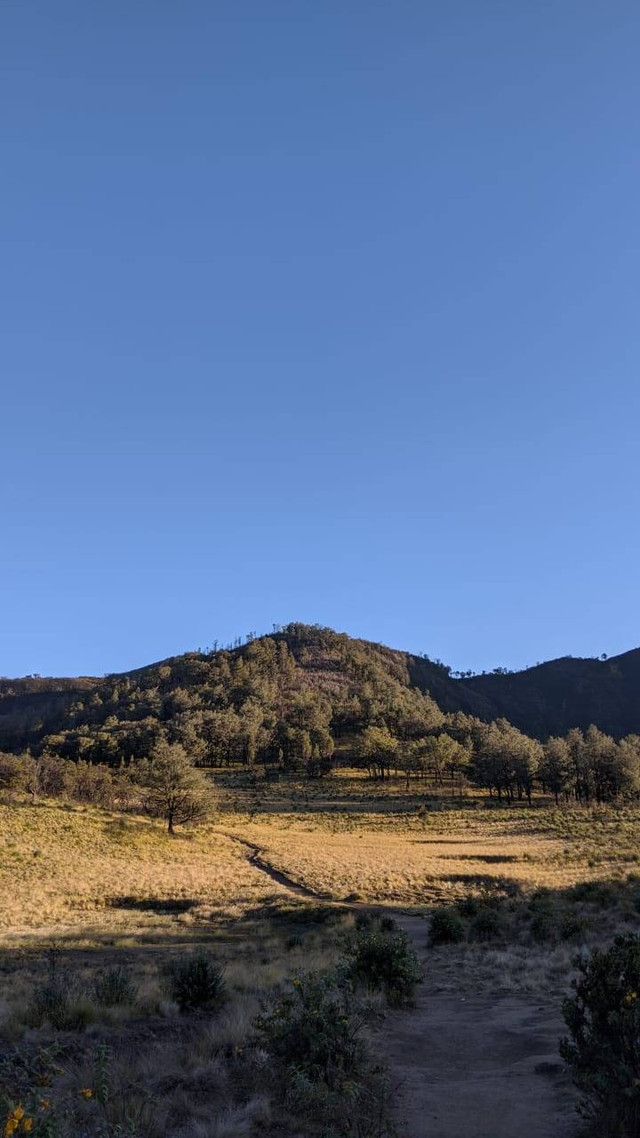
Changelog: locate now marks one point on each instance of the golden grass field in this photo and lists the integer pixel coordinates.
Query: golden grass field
(109, 888)
(386, 847)
(73, 869)
(85, 872)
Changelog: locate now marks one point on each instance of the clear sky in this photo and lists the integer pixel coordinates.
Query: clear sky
(320, 311)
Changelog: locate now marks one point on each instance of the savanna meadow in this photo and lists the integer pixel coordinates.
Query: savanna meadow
(307, 885)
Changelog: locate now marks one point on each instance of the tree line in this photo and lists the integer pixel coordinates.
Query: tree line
(583, 766)
(165, 785)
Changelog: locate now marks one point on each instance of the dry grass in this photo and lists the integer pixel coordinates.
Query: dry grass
(109, 890)
(71, 870)
(346, 837)
(113, 889)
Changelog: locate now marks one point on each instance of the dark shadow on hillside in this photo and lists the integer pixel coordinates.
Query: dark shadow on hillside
(486, 883)
(155, 904)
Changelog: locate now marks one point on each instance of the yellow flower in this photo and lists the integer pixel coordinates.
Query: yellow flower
(27, 1124)
(12, 1125)
(45, 1103)
(19, 1113)
(630, 998)
(86, 1092)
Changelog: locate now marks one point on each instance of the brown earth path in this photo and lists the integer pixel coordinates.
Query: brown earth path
(466, 1064)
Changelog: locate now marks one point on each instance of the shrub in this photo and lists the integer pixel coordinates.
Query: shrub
(446, 927)
(52, 776)
(571, 926)
(603, 1046)
(387, 924)
(195, 982)
(543, 923)
(320, 1063)
(600, 893)
(91, 782)
(363, 920)
(469, 906)
(114, 987)
(316, 1031)
(487, 924)
(384, 961)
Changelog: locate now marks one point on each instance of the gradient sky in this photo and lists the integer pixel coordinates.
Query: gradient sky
(323, 311)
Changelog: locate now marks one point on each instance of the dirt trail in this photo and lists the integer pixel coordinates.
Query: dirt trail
(476, 1065)
(467, 1065)
(256, 859)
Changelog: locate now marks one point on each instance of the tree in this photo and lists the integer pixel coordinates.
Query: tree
(555, 767)
(172, 788)
(15, 772)
(629, 764)
(376, 748)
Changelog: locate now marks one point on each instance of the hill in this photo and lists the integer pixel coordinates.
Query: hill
(551, 698)
(294, 693)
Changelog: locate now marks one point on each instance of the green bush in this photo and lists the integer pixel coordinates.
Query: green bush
(319, 1060)
(384, 961)
(446, 927)
(487, 924)
(113, 987)
(316, 1032)
(600, 893)
(195, 982)
(571, 926)
(363, 920)
(603, 1046)
(544, 922)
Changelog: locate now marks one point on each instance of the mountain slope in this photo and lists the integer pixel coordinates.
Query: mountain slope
(551, 698)
(292, 688)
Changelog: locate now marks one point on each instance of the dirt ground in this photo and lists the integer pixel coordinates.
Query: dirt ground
(477, 1066)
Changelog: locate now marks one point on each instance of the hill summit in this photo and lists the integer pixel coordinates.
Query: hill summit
(299, 686)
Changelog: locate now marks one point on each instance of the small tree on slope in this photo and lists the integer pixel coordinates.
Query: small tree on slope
(172, 788)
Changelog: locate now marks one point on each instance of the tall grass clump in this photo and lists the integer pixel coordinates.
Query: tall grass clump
(113, 987)
(58, 1000)
(195, 982)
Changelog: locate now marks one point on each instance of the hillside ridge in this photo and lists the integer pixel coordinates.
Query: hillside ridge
(544, 699)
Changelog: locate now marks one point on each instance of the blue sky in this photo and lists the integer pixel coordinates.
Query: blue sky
(324, 312)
